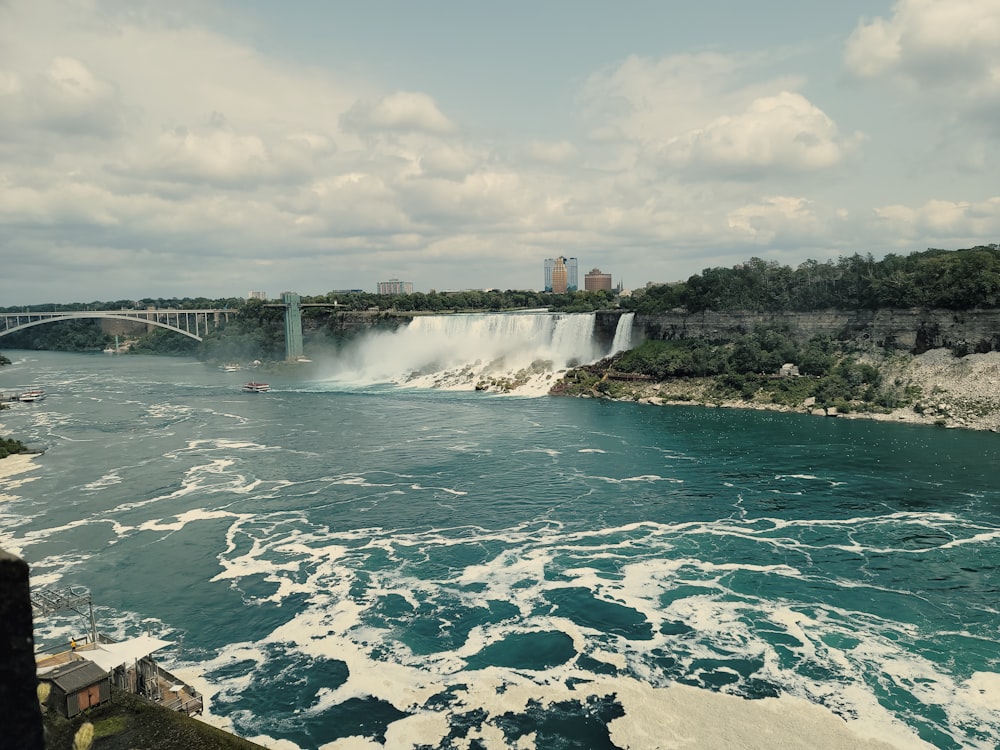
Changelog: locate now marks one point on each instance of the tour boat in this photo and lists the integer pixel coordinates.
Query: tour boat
(32, 394)
(255, 387)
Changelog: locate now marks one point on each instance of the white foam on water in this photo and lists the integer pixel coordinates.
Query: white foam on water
(183, 519)
(333, 625)
(107, 480)
(681, 716)
(15, 465)
(446, 490)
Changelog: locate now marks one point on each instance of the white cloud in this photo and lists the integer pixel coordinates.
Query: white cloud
(948, 47)
(221, 156)
(763, 221)
(404, 111)
(66, 98)
(782, 132)
(132, 132)
(690, 112)
(955, 223)
(555, 153)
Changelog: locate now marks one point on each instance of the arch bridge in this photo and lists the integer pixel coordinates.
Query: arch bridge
(191, 323)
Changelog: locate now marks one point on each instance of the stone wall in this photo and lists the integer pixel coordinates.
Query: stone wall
(915, 330)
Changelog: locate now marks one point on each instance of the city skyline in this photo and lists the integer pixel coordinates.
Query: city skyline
(203, 149)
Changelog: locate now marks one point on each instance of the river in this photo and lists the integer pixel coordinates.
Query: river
(345, 564)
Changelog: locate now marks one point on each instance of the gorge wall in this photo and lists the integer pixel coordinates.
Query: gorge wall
(916, 330)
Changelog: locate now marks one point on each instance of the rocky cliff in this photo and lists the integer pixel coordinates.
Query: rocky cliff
(913, 330)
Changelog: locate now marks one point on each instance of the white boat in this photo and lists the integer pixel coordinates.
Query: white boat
(230, 368)
(32, 394)
(254, 387)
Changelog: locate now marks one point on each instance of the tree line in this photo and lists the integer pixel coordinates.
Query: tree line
(959, 279)
(944, 279)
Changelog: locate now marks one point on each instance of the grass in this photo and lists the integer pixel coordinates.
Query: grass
(129, 722)
(109, 726)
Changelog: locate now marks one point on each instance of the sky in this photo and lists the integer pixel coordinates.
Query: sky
(209, 148)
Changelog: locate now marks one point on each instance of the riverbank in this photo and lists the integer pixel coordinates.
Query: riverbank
(949, 391)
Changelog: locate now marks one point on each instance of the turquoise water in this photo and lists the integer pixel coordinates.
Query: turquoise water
(343, 568)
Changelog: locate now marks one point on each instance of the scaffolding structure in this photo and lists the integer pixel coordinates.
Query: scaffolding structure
(72, 598)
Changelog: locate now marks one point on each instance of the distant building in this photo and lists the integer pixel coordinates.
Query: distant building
(395, 286)
(561, 275)
(595, 281)
(256, 295)
(572, 275)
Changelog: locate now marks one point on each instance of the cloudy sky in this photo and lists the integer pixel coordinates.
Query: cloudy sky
(213, 147)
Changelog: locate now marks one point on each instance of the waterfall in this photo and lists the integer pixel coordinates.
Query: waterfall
(459, 351)
(623, 333)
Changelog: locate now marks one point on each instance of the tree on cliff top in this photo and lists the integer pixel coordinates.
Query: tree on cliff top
(953, 280)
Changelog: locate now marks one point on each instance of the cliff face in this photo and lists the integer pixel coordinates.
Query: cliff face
(915, 330)
(351, 323)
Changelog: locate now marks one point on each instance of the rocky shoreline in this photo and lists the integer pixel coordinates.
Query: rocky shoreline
(954, 391)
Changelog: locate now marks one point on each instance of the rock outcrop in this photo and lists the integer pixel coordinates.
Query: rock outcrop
(912, 330)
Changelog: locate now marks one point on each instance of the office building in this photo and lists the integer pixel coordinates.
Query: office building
(395, 286)
(256, 295)
(559, 276)
(568, 275)
(595, 281)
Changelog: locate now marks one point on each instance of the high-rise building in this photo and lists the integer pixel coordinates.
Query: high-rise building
(559, 276)
(395, 286)
(571, 274)
(596, 281)
(256, 295)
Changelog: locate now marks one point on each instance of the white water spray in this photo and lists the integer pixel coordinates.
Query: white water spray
(459, 351)
(623, 333)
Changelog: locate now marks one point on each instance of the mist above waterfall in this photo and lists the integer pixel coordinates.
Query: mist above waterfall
(461, 351)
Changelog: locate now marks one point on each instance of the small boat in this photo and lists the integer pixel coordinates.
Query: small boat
(231, 367)
(32, 394)
(254, 387)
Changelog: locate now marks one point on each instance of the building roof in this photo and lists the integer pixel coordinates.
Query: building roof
(74, 675)
(111, 655)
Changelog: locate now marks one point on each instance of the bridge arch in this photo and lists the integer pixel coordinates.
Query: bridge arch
(12, 322)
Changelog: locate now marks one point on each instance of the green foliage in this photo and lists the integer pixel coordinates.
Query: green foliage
(465, 301)
(792, 391)
(578, 302)
(162, 341)
(672, 359)
(109, 726)
(956, 280)
(9, 446)
(67, 335)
